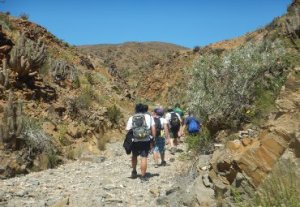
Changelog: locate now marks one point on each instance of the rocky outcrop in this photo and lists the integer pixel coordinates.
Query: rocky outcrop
(245, 162)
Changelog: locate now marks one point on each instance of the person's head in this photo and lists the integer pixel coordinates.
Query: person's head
(145, 108)
(159, 112)
(177, 105)
(169, 110)
(139, 108)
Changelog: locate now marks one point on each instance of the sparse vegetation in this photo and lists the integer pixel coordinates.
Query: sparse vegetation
(281, 188)
(114, 114)
(24, 16)
(201, 142)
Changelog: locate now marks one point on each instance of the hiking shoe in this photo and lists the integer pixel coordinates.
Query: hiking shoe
(156, 165)
(173, 150)
(163, 163)
(144, 178)
(134, 174)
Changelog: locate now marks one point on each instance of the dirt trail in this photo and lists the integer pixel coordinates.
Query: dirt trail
(103, 181)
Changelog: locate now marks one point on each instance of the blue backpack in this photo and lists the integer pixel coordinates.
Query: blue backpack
(194, 126)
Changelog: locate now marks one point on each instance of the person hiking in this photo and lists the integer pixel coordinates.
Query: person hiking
(143, 127)
(162, 133)
(192, 124)
(174, 125)
(178, 110)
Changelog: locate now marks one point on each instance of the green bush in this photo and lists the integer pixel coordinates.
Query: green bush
(224, 85)
(201, 142)
(114, 114)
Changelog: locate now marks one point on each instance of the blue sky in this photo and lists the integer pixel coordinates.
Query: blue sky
(183, 22)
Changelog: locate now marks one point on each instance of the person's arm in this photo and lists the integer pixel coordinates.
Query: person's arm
(167, 134)
(129, 124)
(153, 129)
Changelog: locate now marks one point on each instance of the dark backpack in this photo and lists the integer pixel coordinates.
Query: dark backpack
(139, 127)
(158, 126)
(174, 122)
(127, 144)
(194, 126)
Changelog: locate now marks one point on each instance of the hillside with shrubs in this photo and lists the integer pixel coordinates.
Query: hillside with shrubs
(54, 104)
(246, 92)
(59, 101)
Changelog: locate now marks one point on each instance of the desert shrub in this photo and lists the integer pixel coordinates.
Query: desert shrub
(84, 100)
(280, 188)
(89, 77)
(24, 16)
(38, 142)
(53, 158)
(5, 22)
(114, 114)
(225, 85)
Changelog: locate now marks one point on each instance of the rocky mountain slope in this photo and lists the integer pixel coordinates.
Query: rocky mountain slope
(152, 71)
(54, 104)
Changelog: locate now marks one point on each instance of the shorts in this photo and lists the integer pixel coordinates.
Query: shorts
(174, 133)
(159, 145)
(141, 148)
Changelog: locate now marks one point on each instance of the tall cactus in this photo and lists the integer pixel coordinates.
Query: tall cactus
(4, 74)
(27, 56)
(12, 123)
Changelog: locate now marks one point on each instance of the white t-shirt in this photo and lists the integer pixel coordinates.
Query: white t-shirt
(149, 122)
(163, 121)
(168, 116)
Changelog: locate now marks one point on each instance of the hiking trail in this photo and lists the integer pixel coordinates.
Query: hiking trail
(104, 180)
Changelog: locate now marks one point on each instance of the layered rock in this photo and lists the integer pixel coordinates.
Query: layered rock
(245, 162)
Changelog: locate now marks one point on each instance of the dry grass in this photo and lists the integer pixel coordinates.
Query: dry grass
(281, 188)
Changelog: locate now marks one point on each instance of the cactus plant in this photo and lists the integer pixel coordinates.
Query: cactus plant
(12, 123)
(27, 56)
(4, 74)
(292, 24)
(60, 71)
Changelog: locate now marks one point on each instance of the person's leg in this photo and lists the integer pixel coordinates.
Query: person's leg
(143, 166)
(133, 165)
(144, 156)
(162, 144)
(133, 162)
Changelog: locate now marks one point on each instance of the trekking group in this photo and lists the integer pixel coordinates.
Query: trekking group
(151, 132)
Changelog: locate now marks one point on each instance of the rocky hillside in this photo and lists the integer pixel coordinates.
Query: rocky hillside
(152, 71)
(54, 103)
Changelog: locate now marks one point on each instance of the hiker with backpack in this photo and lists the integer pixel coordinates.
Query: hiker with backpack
(161, 126)
(192, 124)
(143, 129)
(178, 110)
(174, 124)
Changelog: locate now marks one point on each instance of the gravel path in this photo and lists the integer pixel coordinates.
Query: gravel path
(96, 181)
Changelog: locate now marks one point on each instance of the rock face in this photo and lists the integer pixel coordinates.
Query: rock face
(250, 159)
